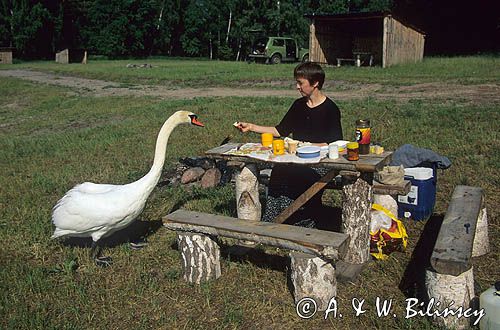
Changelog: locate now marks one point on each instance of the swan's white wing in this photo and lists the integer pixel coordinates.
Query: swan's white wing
(91, 188)
(80, 212)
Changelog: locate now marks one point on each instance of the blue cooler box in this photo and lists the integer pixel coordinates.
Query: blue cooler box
(419, 202)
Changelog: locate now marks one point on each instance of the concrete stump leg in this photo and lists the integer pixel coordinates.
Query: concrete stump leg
(447, 288)
(314, 278)
(200, 257)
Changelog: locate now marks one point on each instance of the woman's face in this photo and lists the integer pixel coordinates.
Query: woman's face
(304, 87)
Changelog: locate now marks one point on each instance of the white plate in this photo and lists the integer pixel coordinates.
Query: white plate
(308, 152)
(309, 149)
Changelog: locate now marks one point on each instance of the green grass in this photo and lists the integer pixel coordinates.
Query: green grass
(50, 141)
(178, 73)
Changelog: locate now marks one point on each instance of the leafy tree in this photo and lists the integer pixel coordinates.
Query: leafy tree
(121, 27)
(167, 20)
(29, 22)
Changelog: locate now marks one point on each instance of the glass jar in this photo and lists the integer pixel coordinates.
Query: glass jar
(353, 151)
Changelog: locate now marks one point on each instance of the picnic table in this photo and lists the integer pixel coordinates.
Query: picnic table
(359, 58)
(357, 186)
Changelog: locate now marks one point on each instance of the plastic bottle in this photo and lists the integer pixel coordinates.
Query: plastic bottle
(489, 300)
(363, 135)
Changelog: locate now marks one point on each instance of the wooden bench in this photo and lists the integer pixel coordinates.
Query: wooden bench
(312, 268)
(463, 235)
(353, 60)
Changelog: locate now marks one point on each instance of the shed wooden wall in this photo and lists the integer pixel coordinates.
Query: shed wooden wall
(326, 43)
(394, 43)
(5, 57)
(401, 44)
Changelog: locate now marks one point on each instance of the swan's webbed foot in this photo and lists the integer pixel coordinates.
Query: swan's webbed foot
(103, 261)
(138, 244)
(96, 256)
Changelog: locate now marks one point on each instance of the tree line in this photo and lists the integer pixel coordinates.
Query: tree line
(217, 29)
(221, 29)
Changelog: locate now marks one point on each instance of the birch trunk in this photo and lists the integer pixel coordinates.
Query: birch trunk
(447, 288)
(247, 194)
(312, 277)
(200, 256)
(356, 209)
(481, 243)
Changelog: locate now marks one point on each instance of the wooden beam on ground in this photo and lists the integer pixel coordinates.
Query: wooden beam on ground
(453, 249)
(322, 243)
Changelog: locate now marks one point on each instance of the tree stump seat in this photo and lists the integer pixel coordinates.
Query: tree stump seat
(463, 235)
(313, 252)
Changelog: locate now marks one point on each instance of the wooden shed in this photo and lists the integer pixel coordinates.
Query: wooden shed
(364, 38)
(6, 55)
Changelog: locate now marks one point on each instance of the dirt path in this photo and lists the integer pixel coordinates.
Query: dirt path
(479, 93)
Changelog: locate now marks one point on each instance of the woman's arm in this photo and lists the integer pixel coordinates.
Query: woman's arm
(249, 127)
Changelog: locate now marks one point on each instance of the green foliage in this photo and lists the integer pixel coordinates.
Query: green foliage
(121, 27)
(225, 53)
(118, 28)
(28, 22)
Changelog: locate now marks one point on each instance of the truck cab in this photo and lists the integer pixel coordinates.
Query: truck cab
(274, 50)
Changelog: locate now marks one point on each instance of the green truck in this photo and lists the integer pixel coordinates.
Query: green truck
(274, 50)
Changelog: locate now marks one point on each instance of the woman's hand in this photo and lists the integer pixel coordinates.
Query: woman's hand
(245, 127)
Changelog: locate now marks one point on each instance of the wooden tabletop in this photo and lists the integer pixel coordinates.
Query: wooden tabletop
(366, 163)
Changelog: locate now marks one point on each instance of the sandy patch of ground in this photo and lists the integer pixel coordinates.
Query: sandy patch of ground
(480, 93)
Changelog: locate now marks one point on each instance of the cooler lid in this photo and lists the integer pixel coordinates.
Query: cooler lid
(419, 173)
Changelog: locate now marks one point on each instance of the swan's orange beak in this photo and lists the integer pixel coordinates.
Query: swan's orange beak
(194, 121)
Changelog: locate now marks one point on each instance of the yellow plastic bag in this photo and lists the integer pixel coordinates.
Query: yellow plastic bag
(385, 241)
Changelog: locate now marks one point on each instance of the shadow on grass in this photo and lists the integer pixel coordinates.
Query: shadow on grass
(138, 230)
(413, 282)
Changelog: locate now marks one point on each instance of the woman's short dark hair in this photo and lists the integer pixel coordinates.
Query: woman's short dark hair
(313, 72)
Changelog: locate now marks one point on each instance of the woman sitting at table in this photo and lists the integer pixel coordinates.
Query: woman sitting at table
(312, 118)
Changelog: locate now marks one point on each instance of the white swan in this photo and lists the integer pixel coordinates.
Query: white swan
(98, 210)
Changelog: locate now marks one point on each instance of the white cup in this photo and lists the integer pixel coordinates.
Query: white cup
(333, 151)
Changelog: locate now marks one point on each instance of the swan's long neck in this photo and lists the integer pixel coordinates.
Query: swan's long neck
(151, 179)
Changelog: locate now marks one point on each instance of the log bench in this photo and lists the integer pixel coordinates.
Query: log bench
(313, 252)
(463, 235)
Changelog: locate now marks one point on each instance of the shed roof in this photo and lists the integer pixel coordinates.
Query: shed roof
(360, 16)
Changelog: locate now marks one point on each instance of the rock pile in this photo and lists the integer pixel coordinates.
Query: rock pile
(199, 171)
(145, 65)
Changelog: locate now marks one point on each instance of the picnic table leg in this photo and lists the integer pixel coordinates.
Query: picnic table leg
(247, 199)
(306, 196)
(356, 209)
(358, 60)
(247, 194)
